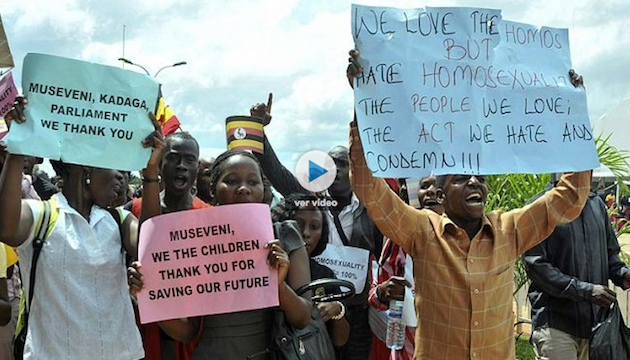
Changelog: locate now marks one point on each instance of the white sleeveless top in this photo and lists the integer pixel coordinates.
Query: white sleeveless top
(81, 306)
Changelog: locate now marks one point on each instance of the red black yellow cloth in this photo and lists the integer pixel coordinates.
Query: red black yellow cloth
(166, 117)
(245, 132)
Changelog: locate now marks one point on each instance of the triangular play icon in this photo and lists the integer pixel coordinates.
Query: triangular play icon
(315, 171)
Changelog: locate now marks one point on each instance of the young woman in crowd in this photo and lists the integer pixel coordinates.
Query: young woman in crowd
(81, 307)
(237, 178)
(314, 228)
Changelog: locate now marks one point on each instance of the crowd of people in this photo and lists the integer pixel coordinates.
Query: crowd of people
(83, 303)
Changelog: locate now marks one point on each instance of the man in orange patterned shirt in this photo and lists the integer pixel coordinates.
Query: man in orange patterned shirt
(464, 260)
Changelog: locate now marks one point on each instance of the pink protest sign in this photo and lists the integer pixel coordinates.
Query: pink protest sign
(8, 93)
(207, 261)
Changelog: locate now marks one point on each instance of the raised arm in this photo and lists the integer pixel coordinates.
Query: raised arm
(560, 205)
(394, 218)
(281, 178)
(151, 174)
(151, 184)
(16, 218)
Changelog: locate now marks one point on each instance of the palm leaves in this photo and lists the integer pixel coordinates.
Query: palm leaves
(614, 159)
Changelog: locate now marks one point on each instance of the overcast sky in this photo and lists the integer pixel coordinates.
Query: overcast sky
(238, 51)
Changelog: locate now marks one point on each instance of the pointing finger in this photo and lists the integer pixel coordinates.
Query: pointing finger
(269, 102)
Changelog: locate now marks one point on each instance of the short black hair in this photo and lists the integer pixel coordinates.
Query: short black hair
(286, 210)
(182, 135)
(219, 166)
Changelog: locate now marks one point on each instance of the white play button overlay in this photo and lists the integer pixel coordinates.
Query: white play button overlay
(316, 171)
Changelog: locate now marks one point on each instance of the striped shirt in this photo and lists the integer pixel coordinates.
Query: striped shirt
(464, 287)
(392, 263)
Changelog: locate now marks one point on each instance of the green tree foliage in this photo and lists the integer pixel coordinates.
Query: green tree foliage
(512, 191)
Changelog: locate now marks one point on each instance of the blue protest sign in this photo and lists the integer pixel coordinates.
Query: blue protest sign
(84, 113)
(460, 90)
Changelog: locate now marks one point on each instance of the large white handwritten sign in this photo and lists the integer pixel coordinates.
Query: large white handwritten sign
(84, 113)
(459, 90)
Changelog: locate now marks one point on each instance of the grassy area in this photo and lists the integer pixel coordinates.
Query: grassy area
(524, 350)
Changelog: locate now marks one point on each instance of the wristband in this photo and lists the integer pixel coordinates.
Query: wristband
(150, 179)
(341, 314)
(158, 179)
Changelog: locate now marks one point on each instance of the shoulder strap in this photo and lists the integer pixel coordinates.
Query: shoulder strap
(41, 232)
(340, 231)
(118, 217)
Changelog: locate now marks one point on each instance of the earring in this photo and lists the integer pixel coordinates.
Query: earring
(88, 181)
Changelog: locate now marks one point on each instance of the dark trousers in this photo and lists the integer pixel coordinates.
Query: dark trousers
(360, 341)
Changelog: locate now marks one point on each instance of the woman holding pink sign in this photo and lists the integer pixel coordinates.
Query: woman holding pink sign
(236, 177)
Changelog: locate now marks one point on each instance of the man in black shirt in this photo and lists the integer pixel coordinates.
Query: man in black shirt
(570, 273)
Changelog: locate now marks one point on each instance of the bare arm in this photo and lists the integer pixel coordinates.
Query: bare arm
(339, 330)
(183, 330)
(130, 236)
(297, 309)
(16, 219)
(151, 174)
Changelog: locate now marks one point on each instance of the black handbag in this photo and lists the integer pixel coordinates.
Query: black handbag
(312, 342)
(610, 336)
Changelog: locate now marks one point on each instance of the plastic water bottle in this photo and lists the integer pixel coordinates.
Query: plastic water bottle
(395, 326)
